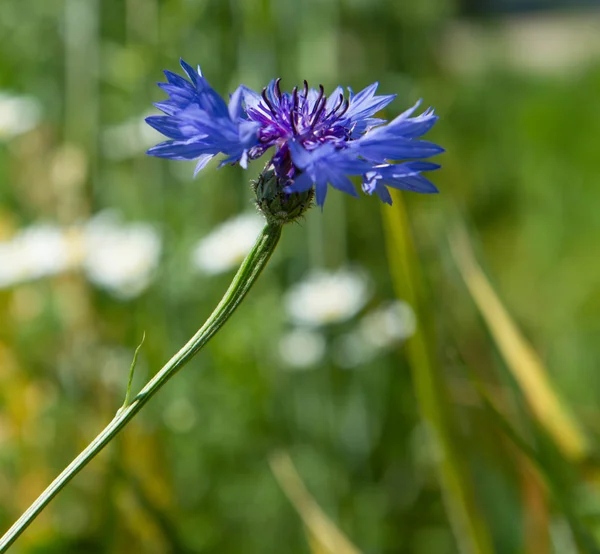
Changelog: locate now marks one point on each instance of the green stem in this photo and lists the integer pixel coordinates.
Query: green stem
(242, 282)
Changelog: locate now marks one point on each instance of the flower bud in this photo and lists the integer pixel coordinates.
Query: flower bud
(277, 205)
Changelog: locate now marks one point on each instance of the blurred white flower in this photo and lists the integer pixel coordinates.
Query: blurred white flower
(18, 114)
(388, 324)
(117, 257)
(302, 348)
(325, 297)
(377, 331)
(120, 258)
(226, 246)
(36, 251)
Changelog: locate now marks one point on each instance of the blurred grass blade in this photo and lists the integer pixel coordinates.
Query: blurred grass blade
(324, 536)
(536, 521)
(314, 544)
(519, 356)
(539, 471)
(470, 531)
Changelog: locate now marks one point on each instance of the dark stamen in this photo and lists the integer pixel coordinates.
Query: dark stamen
(343, 111)
(267, 101)
(278, 89)
(318, 113)
(305, 93)
(293, 112)
(318, 100)
(339, 102)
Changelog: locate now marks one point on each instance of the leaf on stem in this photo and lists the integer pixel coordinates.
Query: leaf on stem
(131, 372)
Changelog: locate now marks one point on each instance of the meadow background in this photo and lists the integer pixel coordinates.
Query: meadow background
(474, 431)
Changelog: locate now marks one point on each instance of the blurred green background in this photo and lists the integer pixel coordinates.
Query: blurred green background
(450, 439)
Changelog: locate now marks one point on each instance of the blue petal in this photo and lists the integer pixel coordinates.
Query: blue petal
(211, 102)
(189, 70)
(235, 108)
(341, 182)
(244, 159)
(365, 104)
(422, 166)
(321, 193)
(177, 80)
(407, 113)
(326, 164)
(248, 134)
(180, 97)
(382, 148)
(383, 193)
(202, 161)
(301, 157)
(166, 125)
(406, 169)
(404, 176)
(272, 93)
(251, 99)
(178, 150)
(167, 107)
(415, 183)
(361, 127)
(413, 127)
(312, 97)
(395, 140)
(332, 99)
(301, 183)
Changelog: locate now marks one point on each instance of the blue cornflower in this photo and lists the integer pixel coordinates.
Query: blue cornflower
(318, 139)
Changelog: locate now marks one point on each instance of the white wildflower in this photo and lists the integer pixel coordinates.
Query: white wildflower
(302, 348)
(324, 297)
(120, 258)
(388, 324)
(40, 250)
(225, 247)
(18, 114)
(376, 333)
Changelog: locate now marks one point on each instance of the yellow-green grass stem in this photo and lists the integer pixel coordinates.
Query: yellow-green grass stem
(471, 532)
(522, 360)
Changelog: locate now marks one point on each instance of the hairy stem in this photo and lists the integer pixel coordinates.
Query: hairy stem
(247, 274)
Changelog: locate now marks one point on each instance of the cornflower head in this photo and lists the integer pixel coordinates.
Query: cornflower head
(319, 140)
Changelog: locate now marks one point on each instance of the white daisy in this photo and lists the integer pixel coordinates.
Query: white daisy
(120, 258)
(302, 348)
(388, 324)
(225, 247)
(18, 114)
(40, 250)
(376, 332)
(327, 297)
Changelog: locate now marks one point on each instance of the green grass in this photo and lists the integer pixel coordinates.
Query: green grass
(438, 446)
